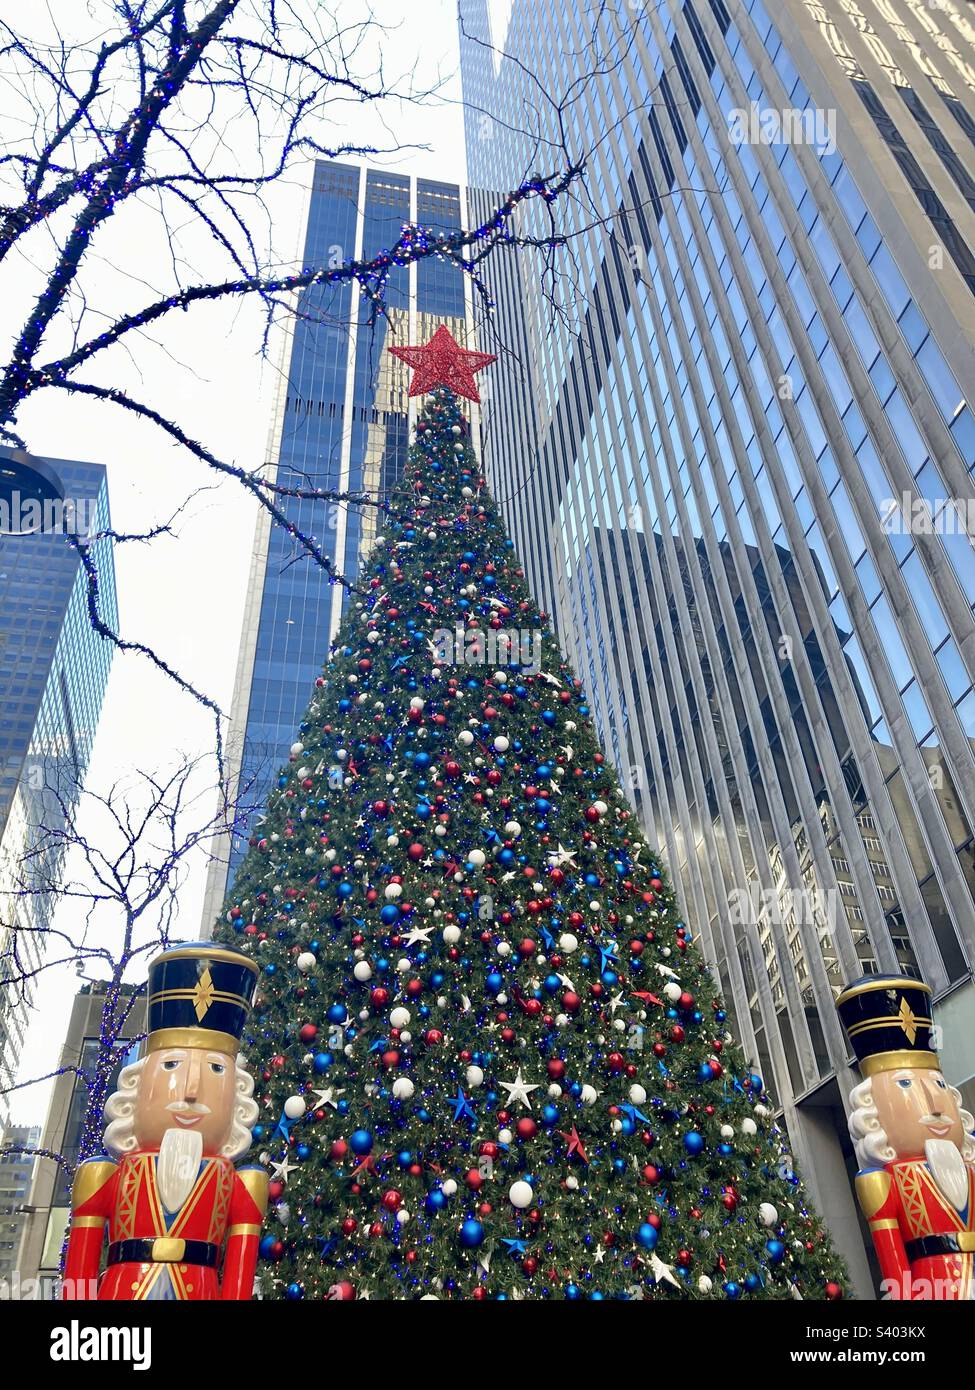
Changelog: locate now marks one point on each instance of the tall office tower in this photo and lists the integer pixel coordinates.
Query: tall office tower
(15, 1180)
(341, 421)
(49, 1199)
(746, 494)
(53, 673)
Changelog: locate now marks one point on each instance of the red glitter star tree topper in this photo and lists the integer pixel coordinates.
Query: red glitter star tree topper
(443, 362)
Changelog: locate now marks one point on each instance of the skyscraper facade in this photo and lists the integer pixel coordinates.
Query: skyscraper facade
(16, 1169)
(738, 467)
(341, 421)
(53, 672)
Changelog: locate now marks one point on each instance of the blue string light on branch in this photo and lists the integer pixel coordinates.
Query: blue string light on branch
(415, 243)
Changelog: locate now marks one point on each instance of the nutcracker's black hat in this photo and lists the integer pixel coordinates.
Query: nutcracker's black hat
(888, 1021)
(199, 995)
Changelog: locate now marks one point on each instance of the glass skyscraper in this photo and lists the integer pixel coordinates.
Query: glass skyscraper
(53, 673)
(341, 421)
(738, 467)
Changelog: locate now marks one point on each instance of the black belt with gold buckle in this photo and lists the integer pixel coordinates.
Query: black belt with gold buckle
(925, 1247)
(164, 1250)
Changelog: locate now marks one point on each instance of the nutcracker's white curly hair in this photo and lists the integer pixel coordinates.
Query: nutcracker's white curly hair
(870, 1141)
(120, 1137)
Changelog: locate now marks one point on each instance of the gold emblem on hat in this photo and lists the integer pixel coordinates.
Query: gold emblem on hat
(908, 1020)
(204, 992)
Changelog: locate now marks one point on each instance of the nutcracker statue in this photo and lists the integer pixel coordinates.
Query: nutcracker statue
(914, 1143)
(170, 1195)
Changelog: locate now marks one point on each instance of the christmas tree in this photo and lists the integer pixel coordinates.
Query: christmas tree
(490, 1058)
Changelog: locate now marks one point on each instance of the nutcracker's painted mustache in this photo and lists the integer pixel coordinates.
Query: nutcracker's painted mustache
(941, 1124)
(188, 1112)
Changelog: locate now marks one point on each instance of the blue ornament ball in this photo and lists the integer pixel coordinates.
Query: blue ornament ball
(647, 1236)
(360, 1142)
(471, 1234)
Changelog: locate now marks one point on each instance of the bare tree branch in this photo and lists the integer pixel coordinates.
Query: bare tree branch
(150, 115)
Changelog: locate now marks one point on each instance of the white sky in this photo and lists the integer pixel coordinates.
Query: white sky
(184, 596)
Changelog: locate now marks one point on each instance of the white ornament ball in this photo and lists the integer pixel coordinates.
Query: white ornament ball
(294, 1107)
(465, 738)
(393, 890)
(637, 1094)
(501, 744)
(363, 971)
(399, 1017)
(749, 1127)
(704, 1284)
(512, 830)
(448, 1188)
(673, 991)
(451, 934)
(588, 1094)
(475, 1077)
(569, 943)
(403, 1088)
(306, 962)
(477, 858)
(520, 1195)
(768, 1215)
